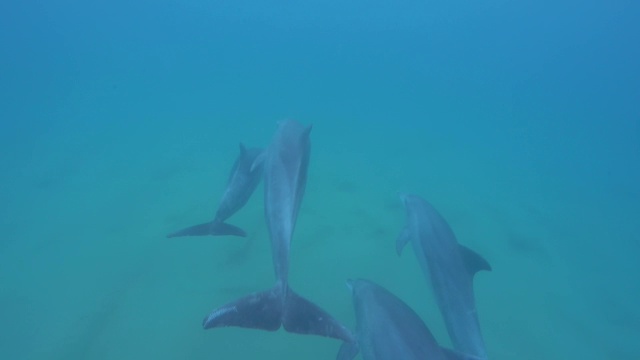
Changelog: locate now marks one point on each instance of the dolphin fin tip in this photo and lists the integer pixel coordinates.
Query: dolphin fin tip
(301, 316)
(261, 310)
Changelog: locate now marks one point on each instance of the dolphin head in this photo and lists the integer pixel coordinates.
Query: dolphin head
(411, 203)
(409, 200)
(359, 288)
(349, 284)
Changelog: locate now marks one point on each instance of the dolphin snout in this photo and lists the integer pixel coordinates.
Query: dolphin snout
(349, 284)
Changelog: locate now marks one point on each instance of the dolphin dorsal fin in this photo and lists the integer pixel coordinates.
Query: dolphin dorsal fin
(243, 149)
(403, 239)
(473, 260)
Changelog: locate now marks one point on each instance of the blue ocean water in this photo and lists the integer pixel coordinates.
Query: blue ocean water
(120, 120)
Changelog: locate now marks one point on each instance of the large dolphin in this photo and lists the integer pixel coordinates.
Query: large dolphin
(450, 267)
(388, 329)
(243, 180)
(285, 176)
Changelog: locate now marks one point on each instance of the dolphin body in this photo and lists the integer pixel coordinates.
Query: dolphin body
(388, 329)
(285, 176)
(450, 267)
(243, 180)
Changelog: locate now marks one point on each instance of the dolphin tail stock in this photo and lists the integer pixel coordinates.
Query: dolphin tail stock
(270, 309)
(214, 228)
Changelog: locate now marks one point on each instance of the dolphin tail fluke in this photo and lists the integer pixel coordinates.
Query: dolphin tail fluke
(196, 230)
(222, 228)
(301, 316)
(261, 310)
(268, 310)
(215, 228)
(348, 351)
(455, 355)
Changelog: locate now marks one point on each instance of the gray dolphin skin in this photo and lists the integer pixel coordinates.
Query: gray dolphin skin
(450, 268)
(285, 175)
(388, 329)
(243, 180)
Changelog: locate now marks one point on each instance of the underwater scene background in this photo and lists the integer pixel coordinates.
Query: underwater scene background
(120, 121)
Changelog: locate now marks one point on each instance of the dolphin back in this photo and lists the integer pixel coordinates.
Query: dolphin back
(388, 328)
(449, 268)
(244, 178)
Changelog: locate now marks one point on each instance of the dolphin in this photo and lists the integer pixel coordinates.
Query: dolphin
(388, 329)
(243, 180)
(450, 268)
(285, 175)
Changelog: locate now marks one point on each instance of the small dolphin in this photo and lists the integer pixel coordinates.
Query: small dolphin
(450, 268)
(243, 180)
(388, 329)
(285, 177)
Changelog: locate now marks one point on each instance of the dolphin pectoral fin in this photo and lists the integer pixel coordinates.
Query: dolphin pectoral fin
(348, 351)
(473, 260)
(196, 230)
(455, 355)
(258, 162)
(219, 228)
(260, 310)
(306, 132)
(403, 239)
(214, 228)
(301, 316)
